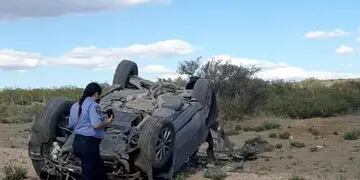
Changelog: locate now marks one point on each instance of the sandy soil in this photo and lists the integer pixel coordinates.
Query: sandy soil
(336, 158)
(13, 147)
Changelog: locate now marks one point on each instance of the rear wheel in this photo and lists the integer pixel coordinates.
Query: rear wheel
(205, 94)
(123, 72)
(202, 91)
(157, 140)
(47, 126)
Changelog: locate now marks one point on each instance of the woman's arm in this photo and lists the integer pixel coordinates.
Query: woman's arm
(97, 120)
(73, 118)
(104, 123)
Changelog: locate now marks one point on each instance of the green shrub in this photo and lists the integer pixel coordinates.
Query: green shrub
(312, 98)
(21, 105)
(14, 172)
(19, 96)
(271, 125)
(352, 135)
(239, 91)
(19, 113)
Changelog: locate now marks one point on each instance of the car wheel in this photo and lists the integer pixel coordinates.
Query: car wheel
(205, 94)
(192, 81)
(202, 91)
(45, 129)
(125, 69)
(157, 140)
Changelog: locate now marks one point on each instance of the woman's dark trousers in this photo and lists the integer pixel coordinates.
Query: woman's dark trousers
(87, 149)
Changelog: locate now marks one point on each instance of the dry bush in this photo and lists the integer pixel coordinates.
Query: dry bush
(352, 135)
(14, 172)
(284, 135)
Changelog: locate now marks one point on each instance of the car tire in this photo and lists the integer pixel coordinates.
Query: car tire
(125, 69)
(44, 130)
(205, 94)
(151, 136)
(192, 81)
(202, 91)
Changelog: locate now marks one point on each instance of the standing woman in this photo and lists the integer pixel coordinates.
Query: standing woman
(88, 123)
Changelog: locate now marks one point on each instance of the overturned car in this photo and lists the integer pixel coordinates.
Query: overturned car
(157, 128)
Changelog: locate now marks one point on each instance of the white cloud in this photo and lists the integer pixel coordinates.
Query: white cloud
(326, 35)
(156, 69)
(265, 65)
(159, 71)
(92, 57)
(273, 71)
(18, 60)
(12, 9)
(358, 39)
(345, 50)
(98, 58)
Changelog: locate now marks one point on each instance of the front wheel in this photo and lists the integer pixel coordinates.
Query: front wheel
(157, 141)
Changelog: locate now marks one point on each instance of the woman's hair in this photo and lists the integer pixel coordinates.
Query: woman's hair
(89, 91)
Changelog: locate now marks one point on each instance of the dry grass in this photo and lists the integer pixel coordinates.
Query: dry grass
(14, 172)
(352, 135)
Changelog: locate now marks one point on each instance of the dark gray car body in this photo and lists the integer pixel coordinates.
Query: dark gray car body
(135, 107)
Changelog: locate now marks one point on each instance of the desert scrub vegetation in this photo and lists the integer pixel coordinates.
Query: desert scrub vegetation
(14, 172)
(352, 135)
(312, 98)
(21, 105)
(271, 125)
(19, 96)
(19, 113)
(240, 93)
(267, 125)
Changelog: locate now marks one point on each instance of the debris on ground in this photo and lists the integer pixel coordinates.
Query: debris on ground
(235, 158)
(297, 144)
(284, 135)
(214, 173)
(232, 166)
(315, 148)
(278, 146)
(256, 146)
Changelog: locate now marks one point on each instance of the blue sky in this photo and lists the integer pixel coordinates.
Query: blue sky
(46, 44)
